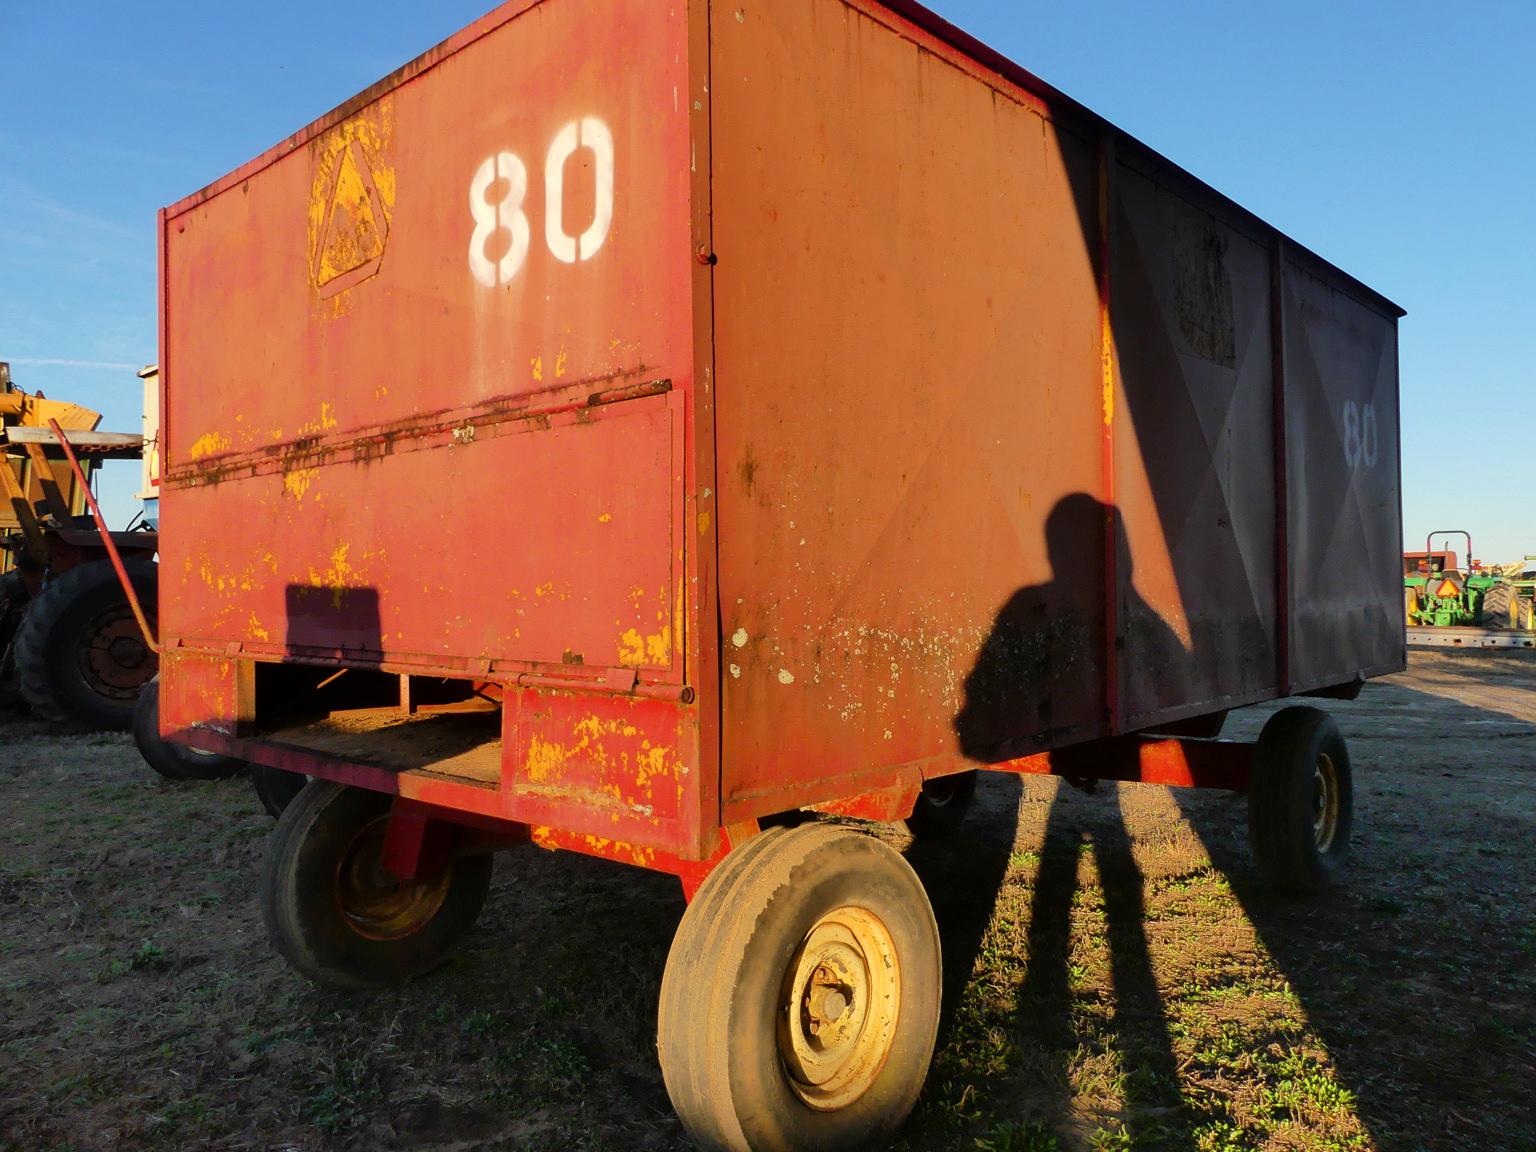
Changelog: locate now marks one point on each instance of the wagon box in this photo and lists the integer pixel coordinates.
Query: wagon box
(629, 425)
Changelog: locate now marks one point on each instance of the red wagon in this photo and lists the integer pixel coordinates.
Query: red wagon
(630, 424)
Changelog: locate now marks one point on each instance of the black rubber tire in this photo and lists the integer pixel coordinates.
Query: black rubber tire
(1292, 853)
(942, 805)
(304, 915)
(275, 788)
(52, 645)
(173, 761)
(725, 980)
(1499, 608)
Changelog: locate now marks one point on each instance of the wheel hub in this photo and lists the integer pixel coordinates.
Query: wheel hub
(375, 903)
(114, 659)
(841, 1001)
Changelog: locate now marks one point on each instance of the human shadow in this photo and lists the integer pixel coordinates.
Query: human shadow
(1422, 1027)
(1038, 683)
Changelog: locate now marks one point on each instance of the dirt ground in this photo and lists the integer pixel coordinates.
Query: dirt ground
(1116, 978)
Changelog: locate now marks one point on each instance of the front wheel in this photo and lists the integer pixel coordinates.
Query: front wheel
(337, 915)
(800, 1000)
(173, 761)
(1300, 801)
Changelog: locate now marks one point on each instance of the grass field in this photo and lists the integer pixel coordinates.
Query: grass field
(1115, 978)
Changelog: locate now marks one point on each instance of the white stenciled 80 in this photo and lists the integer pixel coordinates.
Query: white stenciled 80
(1360, 435)
(506, 213)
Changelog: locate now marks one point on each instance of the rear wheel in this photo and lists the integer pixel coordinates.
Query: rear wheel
(337, 915)
(1499, 604)
(275, 788)
(1300, 801)
(942, 806)
(80, 655)
(801, 996)
(173, 761)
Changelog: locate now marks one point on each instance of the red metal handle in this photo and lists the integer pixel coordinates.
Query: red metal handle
(106, 538)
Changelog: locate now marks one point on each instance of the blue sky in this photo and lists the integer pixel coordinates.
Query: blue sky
(1393, 138)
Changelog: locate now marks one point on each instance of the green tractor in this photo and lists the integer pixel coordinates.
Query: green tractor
(1438, 594)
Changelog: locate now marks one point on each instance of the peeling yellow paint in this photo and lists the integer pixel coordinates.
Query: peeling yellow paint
(207, 444)
(605, 518)
(339, 578)
(677, 614)
(545, 760)
(560, 365)
(652, 761)
(703, 523)
(257, 630)
(297, 482)
(322, 423)
(348, 158)
(1108, 367)
(537, 363)
(636, 650)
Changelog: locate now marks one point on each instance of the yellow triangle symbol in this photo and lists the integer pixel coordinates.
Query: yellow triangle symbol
(353, 233)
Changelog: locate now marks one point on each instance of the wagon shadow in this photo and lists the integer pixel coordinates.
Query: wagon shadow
(1392, 938)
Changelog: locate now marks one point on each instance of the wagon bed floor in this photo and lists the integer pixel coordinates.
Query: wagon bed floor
(453, 742)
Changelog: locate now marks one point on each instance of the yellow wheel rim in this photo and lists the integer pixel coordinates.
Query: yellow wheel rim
(1325, 802)
(841, 1002)
(374, 903)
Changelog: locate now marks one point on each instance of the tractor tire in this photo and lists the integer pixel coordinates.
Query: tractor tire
(941, 806)
(337, 916)
(80, 656)
(173, 761)
(1499, 605)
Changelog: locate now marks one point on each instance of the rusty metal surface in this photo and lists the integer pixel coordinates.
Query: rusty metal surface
(1345, 492)
(447, 424)
(996, 415)
(893, 415)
